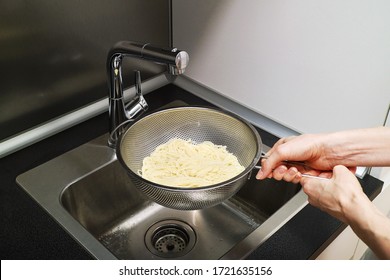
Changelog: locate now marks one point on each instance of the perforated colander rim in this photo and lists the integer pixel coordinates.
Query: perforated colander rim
(247, 170)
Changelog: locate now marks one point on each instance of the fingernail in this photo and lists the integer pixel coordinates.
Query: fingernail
(282, 169)
(292, 171)
(259, 175)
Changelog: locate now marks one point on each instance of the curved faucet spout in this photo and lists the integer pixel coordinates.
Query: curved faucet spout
(119, 112)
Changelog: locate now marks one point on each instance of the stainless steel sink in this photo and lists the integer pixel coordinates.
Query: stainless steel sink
(90, 195)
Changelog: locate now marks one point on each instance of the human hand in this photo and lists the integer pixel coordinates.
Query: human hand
(308, 148)
(341, 196)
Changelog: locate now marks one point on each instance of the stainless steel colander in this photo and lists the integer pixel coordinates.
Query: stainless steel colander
(198, 124)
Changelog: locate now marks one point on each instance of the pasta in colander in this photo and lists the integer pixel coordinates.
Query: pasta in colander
(182, 163)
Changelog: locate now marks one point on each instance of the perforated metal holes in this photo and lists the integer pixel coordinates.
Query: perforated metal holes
(198, 124)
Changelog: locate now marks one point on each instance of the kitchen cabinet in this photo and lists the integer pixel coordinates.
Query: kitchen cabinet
(342, 248)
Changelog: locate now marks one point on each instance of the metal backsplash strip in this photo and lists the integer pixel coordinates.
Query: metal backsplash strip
(50, 128)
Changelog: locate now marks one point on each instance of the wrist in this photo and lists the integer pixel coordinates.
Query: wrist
(360, 147)
(359, 211)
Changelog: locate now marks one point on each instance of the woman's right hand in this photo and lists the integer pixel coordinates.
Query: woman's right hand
(341, 196)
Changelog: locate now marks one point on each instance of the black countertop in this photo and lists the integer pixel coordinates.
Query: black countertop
(28, 232)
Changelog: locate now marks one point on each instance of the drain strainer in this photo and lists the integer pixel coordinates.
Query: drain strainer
(170, 239)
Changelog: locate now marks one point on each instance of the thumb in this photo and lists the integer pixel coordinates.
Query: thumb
(340, 172)
(267, 166)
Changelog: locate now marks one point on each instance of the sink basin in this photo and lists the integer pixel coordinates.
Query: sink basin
(109, 206)
(90, 195)
(88, 192)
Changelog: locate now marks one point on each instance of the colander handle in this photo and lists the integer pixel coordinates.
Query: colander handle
(296, 163)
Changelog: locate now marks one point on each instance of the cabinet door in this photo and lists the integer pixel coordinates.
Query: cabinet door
(342, 248)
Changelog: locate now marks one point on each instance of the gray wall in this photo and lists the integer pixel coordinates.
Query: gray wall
(53, 53)
(311, 65)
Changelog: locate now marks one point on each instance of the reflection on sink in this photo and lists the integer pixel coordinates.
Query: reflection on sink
(90, 195)
(109, 206)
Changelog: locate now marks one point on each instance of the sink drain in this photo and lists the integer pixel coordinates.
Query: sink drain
(170, 239)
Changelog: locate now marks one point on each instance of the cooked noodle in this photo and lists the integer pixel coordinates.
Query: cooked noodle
(181, 163)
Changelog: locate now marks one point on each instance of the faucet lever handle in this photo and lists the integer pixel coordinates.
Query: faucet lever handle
(138, 105)
(138, 83)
